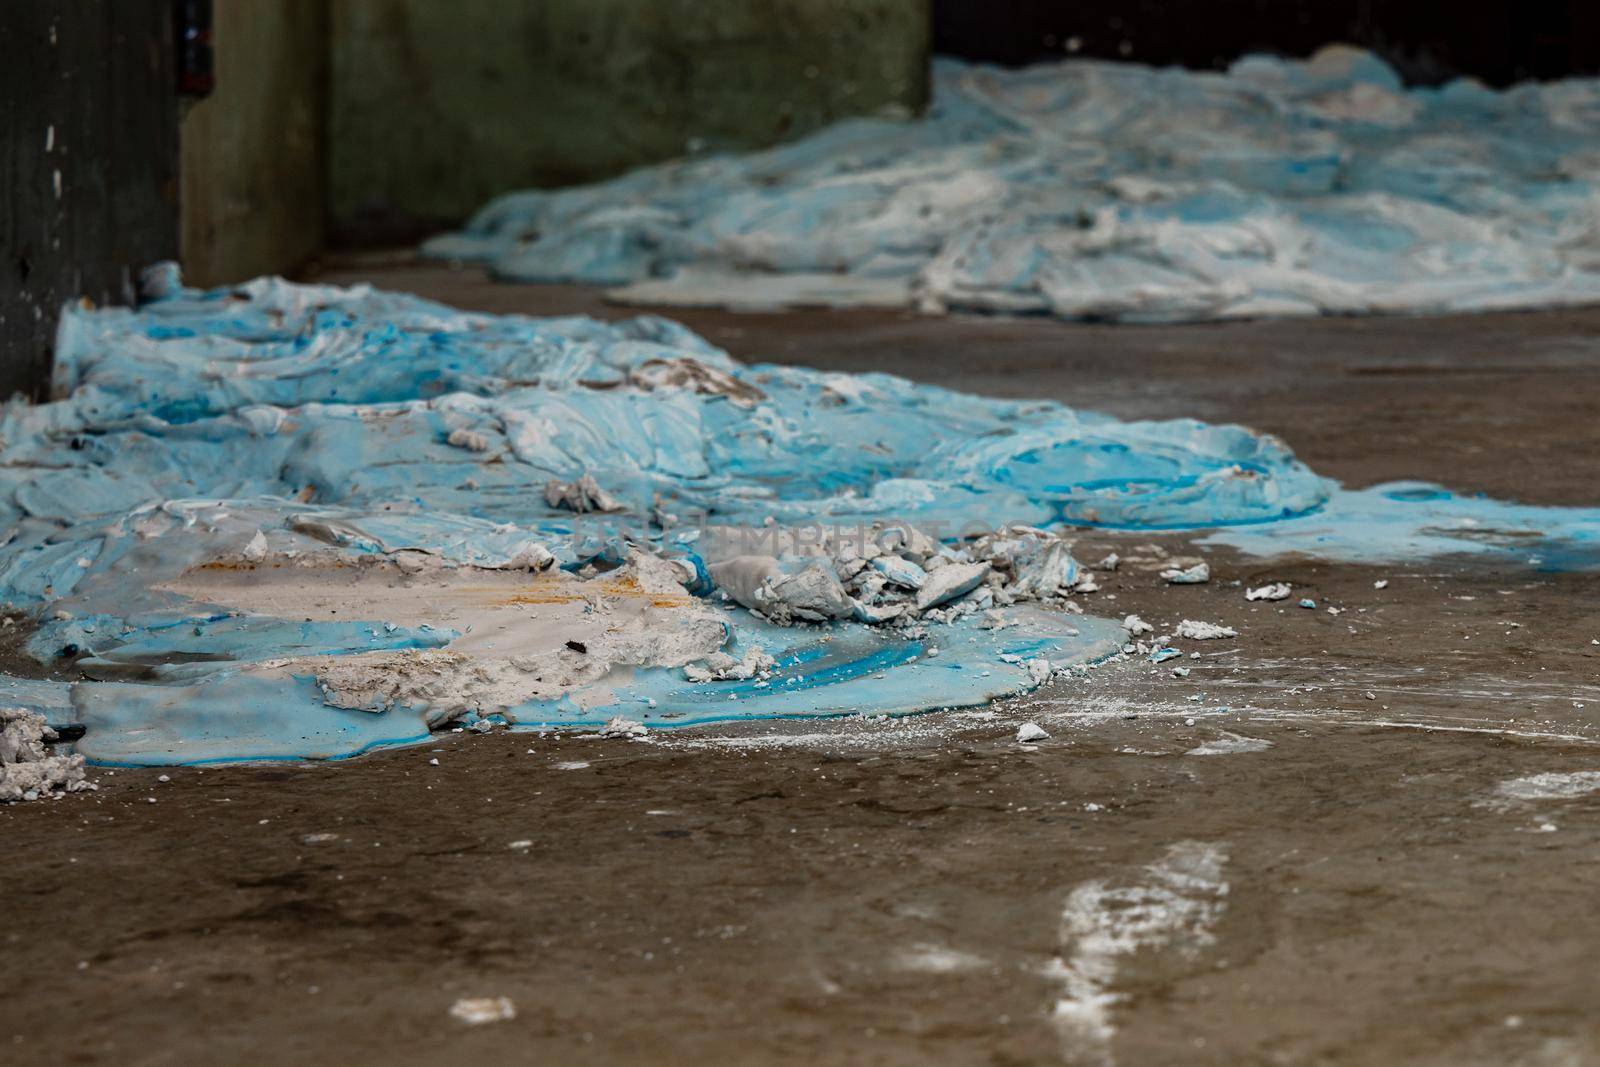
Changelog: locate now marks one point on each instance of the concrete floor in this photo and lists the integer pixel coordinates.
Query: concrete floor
(1348, 883)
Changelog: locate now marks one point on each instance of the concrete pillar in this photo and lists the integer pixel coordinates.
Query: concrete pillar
(254, 157)
(436, 107)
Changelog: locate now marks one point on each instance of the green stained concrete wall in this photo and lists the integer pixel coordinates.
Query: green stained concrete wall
(438, 106)
(254, 165)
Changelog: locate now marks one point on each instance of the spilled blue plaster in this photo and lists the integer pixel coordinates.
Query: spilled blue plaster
(1400, 521)
(277, 420)
(232, 716)
(1088, 189)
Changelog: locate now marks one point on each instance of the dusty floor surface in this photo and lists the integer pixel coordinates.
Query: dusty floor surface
(1339, 874)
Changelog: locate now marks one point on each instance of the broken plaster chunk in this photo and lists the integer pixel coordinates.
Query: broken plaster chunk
(758, 583)
(1137, 626)
(657, 574)
(1196, 575)
(900, 572)
(877, 614)
(868, 586)
(908, 542)
(721, 667)
(848, 568)
(1110, 563)
(621, 726)
(813, 594)
(256, 550)
(1161, 655)
(530, 556)
(947, 583)
(1195, 630)
(745, 578)
(471, 440)
(983, 598)
(1049, 573)
(28, 771)
(1272, 591)
(409, 561)
(582, 495)
(1031, 732)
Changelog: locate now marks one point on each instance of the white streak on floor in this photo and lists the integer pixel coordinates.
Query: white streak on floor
(937, 959)
(1352, 717)
(1230, 745)
(1117, 697)
(1174, 907)
(1552, 785)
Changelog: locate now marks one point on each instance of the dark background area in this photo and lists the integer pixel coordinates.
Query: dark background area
(1428, 41)
(87, 92)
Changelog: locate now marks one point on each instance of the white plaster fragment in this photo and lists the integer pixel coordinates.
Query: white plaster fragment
(28, 770)
(1195, 575)
(475, 1011)
(1195, 630)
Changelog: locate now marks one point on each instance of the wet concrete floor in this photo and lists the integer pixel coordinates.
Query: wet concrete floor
(1364, 837)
